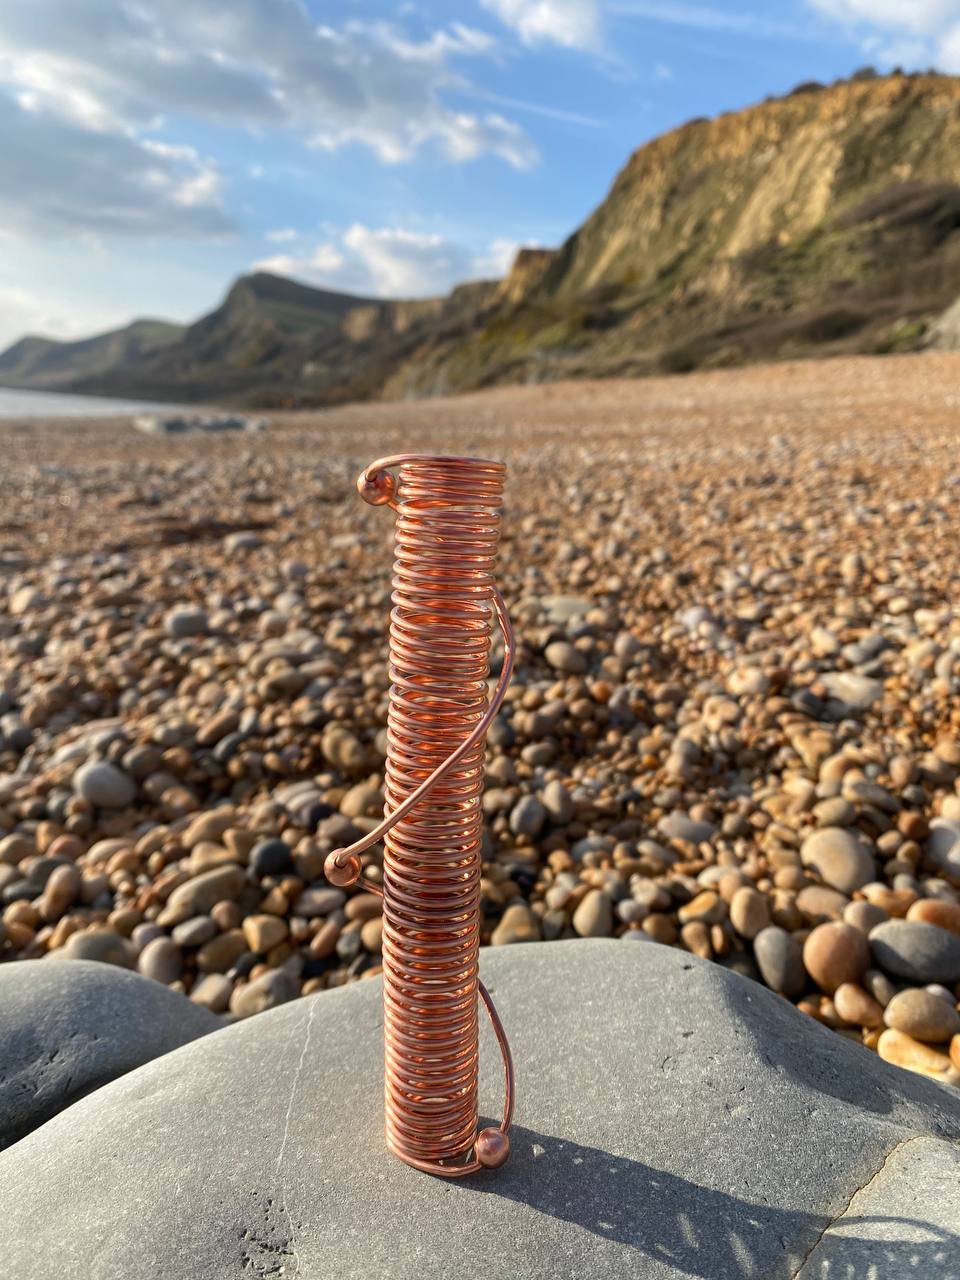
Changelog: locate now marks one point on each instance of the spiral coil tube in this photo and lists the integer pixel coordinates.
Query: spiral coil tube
(447, 535)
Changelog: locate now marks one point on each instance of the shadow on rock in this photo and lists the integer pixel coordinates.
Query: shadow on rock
(706, 1234)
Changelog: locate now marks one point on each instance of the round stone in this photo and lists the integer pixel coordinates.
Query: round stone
(842, 859)
(564, 657)
(917, 951)
(104, 785)
(936, 911)
(923, 1015)
(835, 953)
(271, 858)
(185, 621)
(263, 932)
(528, 817)
(904, 1051)
(161, 960)
(864, 915)
(98, 944)
(517, 924)
(749, 912)
(593, 917)
(195, 932)
(856, 1006)
(780, 961)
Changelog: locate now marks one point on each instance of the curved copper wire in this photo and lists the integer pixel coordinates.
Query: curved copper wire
(447, 533)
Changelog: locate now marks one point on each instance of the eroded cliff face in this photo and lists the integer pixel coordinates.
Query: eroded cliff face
(827, 221)
(824, 221)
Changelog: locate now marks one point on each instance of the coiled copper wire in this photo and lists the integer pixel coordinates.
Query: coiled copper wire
(447, 533)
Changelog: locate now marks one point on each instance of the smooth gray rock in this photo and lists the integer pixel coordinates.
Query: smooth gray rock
(673, 1120)
(67, 1028)
(943, 848)
(917, 951)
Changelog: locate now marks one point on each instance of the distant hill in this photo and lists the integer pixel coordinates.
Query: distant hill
(826, 221)
(42, 363)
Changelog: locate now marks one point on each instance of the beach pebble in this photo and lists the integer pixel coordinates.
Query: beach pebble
(835, 953)
(856, 1006)
(271, 858)
(200, 893)
(923, 1015)
(161, 960)
(517, 924)
(749, 912)
(840, 858)
(266, 992)
(944, 914)
(593, 917)
(98, 944)
(904, 1051)
(527, 817)
(564, 657)
(916, 951)
(104, 785)
(263, 932)
(780, 961)
(185, 621)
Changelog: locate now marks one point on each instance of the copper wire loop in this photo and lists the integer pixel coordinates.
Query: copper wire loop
(447, 533)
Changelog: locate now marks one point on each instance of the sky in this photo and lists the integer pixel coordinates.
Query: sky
(153, 150)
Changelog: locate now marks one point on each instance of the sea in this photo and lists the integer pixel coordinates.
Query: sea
(50, 404)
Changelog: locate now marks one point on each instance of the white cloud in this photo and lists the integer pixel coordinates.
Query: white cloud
(908, 32)
(282, 235)
(21, 313)
(923, 17)
(393, 262)
(58, 177)
(251, 64)
(574, 24)
(88, 93)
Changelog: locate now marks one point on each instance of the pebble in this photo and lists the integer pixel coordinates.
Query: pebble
(318, 902)
(916, 951)
(780, 961)
(858, 1007)
(104, 785)
(195, 932)
(264, 932)
(943, 913)
(98, 944)
(904, 1051)
(593, 918)
(185, 621)
(564, 657)
(558, 803)
(213, 991)
(517, 924)
(839, 858)
(271, 858)
(749, 912)
(196, 896)
(528, 816)
(161, 960)
(923, 1015)
(266, 992)
(835, 953)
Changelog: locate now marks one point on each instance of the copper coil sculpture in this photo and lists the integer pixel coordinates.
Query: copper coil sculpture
(447, 533)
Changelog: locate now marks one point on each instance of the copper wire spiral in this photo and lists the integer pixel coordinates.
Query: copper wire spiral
(447, 533)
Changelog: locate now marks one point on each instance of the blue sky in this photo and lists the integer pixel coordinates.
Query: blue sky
(151, 150)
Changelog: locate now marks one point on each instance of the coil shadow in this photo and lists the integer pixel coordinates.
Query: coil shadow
(703, 1233)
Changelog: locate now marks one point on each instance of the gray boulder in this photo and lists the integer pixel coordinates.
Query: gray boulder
(67, 1028)
(673, 1120)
